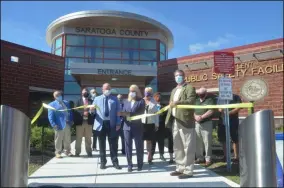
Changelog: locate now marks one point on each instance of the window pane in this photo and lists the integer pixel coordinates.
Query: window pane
(58, 42)
(112, 42)
(68, 72)
(58, 52)
(130, 62)
(75, 40)
(94, 53)
(130, 43)
(94, 41)
(72, 60)
(150, 63)
(162, 57)
(73, 98)
(68, 77)
(112, 53)
(130, 54)
(93, 60)
(148, 55)
(72, 88)
(106, 61)
(75, 52)
(148, 44)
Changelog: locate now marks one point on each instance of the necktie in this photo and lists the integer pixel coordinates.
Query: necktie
(106, 107)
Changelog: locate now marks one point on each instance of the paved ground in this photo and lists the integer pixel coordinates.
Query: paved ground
(85, 172)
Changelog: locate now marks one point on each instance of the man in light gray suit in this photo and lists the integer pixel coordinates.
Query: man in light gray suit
(107, 124)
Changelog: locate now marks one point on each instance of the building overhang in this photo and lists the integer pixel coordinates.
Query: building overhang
(118, 75)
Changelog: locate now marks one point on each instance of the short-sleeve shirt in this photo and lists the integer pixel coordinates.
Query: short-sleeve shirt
(234, 119)
(207, 101)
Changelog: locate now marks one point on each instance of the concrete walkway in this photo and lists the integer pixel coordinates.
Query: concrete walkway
(85, 172)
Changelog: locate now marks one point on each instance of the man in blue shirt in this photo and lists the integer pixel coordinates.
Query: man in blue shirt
(61, 121)
(107, 123)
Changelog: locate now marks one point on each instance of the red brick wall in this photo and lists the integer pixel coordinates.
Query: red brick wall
(35, 68)
(274, 98)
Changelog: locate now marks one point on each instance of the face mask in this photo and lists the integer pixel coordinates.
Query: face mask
(202, 96)
(148, 94)
(107, 92)
(132, 94)
(179, 79)
(59, 98)
(85, 95)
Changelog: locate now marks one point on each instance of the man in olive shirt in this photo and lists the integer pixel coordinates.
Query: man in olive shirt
(203, 127)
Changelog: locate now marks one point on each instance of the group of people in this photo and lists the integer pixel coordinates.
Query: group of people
(188, 130)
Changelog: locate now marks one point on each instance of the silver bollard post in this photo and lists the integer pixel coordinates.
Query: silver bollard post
(15, 147)
(257, 150)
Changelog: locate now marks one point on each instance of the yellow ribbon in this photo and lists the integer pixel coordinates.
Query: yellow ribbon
(51, 108)
(222, 106)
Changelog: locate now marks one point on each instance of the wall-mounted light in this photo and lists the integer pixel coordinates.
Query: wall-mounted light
(14, 59)
(114, 79)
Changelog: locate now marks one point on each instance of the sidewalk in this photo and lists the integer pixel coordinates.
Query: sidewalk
(85, 172)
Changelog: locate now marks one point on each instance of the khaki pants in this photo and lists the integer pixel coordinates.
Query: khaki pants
(204, 136)
(62, 136)
(184, 148)
(86, 131)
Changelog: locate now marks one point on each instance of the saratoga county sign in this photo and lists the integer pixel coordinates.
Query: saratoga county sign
(111, 31)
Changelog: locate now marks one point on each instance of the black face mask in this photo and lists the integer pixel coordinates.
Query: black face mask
(202, 96)
(86, 95)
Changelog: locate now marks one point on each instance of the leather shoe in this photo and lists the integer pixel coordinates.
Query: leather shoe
(175, 173)
(185, 176)
(171, 161)
(129, 170)
(103, 166)
(116, 166)
(162, 158)
(139, 169)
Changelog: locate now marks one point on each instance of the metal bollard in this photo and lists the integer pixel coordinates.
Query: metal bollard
(15, 147)
(257, 150)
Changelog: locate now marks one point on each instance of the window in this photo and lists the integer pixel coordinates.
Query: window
(74, 51)
(130, 61)
(130, 43)
(148, 44)
(72, 60)
(107, 61)
(94, 41)
(88, 60)
(162, 57)
(58, 52)
(94, 53)
(73, 98)
(67, 72)
(162, 48)
(112, 53)
(75, 40)
(130, 54)
(72, 88)
(112, 42)
(148, 55)
(149, 63)
(68, 77)
(58, 42)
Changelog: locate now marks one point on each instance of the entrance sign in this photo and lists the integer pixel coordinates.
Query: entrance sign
(225, 88)
(224, 63)
(114, 72)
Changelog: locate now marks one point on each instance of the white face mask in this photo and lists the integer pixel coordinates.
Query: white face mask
(132, 94)
(107, 92)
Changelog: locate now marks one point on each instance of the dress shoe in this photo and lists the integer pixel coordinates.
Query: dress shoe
(116, 166)
(68, 154)
(139, 169)
(171, 161)
(175, 173)
(95, 149)
(77, 155)
(150, 162)
(129, 170)
(90, 154)
(123, 152)
(185, 176)
(162, 158)
(103, 166)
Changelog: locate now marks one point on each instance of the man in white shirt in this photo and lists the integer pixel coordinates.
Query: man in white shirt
(183, 126)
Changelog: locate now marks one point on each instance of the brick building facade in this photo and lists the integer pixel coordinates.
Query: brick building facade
(24, 84)
(260, 60)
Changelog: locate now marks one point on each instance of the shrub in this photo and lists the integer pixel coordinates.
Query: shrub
(36, 137)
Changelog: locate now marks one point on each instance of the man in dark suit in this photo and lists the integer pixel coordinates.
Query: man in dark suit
(84, 129)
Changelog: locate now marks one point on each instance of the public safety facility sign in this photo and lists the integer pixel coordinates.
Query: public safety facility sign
(225, 88)
(224, 63)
